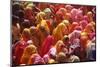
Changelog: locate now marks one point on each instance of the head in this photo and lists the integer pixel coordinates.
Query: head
(28, 13)
(61, 57)
(61, 27)
(73, 25)
(44, 30)
(79, 15)
(59, 46)
(90, 16)
(26, 34)
(40, 16)
(48, 12)
(33, 30)
(67, 23)
(26, 23)
(30, 49)
(83, 23)
(69, 8)
(89, 28)
(65, 39)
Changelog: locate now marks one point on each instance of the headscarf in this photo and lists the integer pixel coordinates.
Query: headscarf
(61, 57)
(29, 13)
(30, 5)
(48, 13)
(75, 34)
(69, 8)
(66, 22)
(18, 50)
(26, 34)
(36, 59)
(74, 58)
(68, 16)
(84, 39)
(59, 17)
(66, 41)
(89, 28)
(28, 51)
(73, 14)
(35, 36)
(90, 16)
(47, 10)
(72, 27)
(46, 45)
(83, 23)
(59, 46)
(86, 18)
(40, 16)
(76, 43)
(63, 12)
(58, 32)
(79, 15)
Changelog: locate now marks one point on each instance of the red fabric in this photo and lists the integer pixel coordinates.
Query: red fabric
(19, 48)
(45, 47)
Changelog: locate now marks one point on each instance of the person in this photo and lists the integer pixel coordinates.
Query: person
(28, 51)
(35, 59)
(35, 34)
(49, 19)
(89, 28)
(72, 27)
(83, 24)
(90, 16)
(91, 50)
(69, 8)
(59, 46)
(75, 34)
(67, 23)
(29, 14)
(42, 26)
(19, 46)
(61, 57)
(58, 32)
(15, 29)
(73, 58)
(73, 14)
(46, 45)
(84, 40)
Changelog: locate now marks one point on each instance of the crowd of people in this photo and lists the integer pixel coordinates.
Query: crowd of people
(50, 33)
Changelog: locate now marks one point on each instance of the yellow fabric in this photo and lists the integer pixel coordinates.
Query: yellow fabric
(58, 32)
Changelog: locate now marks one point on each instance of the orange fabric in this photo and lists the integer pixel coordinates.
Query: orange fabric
(28, 51)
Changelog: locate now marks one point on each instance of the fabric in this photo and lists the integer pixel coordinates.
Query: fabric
(36, 59)
(58, 32)
(46, 45)
(18, 51)
(28, 51)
